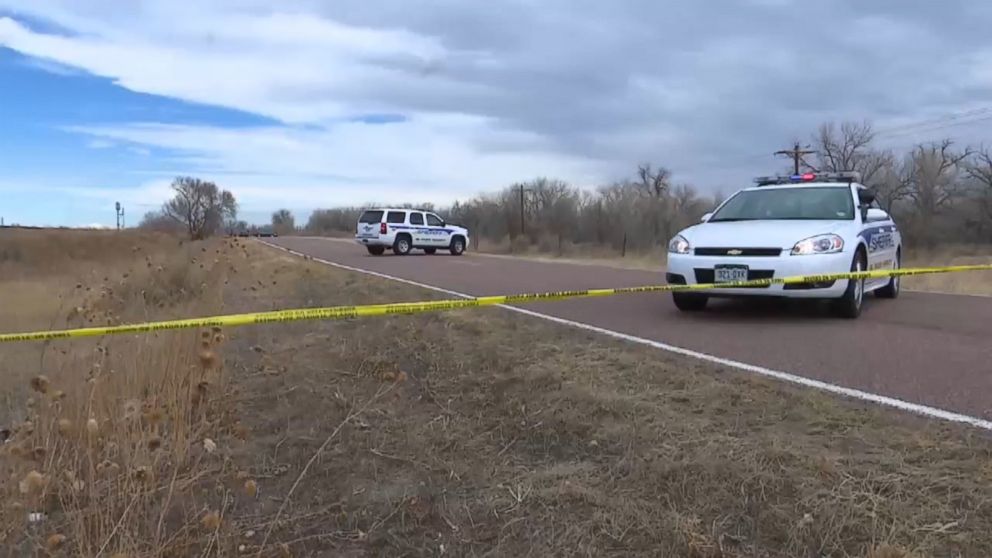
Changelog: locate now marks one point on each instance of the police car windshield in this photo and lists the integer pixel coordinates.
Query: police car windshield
(819, 203)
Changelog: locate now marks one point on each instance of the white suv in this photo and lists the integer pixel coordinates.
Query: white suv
(402, 230)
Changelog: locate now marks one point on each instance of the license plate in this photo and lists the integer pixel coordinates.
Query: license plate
(730, 273)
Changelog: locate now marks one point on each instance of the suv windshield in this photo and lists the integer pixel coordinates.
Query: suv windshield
(820, 203)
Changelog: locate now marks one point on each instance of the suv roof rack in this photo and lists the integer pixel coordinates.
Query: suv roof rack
(845, 176)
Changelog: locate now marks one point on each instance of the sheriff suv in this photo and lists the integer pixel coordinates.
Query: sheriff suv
(805, 224)
(403, 230)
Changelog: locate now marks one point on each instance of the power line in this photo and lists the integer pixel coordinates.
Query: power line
(945, 121)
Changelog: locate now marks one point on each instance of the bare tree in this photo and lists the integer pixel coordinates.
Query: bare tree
(932, 181)
(891, 184)
(653, 182)
(979, 170)
(200, 206)
(160, 222)
(283, 222)
(933, 175)
(850, 149)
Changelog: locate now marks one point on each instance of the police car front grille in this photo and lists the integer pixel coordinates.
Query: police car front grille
(709, 276)
(766, 252)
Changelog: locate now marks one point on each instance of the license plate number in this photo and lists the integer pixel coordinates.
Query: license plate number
(730, 274)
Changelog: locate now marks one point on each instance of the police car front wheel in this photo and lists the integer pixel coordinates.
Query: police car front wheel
(849, 305)
(690, 302)
(457, 247)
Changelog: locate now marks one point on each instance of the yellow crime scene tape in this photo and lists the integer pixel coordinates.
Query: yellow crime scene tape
(348, 312)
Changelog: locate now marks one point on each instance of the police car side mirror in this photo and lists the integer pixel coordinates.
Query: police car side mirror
(705, 217)
(865, 199)
(875, 214)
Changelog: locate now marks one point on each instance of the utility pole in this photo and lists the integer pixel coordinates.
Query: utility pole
(523, 227)
(796, 153)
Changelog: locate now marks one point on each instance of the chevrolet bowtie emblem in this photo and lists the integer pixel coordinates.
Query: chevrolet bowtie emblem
(734, 252)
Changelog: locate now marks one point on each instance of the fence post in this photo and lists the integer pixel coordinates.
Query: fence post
(623, 251)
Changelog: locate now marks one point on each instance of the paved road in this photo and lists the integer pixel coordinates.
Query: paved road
(924, 348)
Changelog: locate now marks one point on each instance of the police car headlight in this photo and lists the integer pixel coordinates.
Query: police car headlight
(822, 244)
(679, 245)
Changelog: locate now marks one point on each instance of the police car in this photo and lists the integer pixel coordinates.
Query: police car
(804, 224)
(403, 230)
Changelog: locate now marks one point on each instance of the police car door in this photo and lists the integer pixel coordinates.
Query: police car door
(418, 229)
(440, 236)
(881, 237)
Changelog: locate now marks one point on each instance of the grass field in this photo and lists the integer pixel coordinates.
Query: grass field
(471, 433)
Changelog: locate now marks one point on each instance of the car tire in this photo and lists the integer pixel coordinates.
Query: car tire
(430, 251)
(376, 250)
(402, 245)
(891, 290)
(690, 302)
(849, 305)
(457, 247)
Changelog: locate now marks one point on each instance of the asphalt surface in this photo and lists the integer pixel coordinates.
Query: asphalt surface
(931, 349)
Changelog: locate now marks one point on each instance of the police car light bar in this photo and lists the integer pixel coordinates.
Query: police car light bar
(846, 176)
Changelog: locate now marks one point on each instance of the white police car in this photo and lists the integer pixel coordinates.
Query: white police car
(807, 224)
(403, 230)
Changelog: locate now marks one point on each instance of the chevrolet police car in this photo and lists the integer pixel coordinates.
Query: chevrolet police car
(805, 224)
(403, 230)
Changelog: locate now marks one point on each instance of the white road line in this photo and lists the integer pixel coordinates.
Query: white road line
(883, 400)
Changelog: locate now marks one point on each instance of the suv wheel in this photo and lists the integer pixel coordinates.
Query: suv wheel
(849, 305)
(376, 250)
(457, 246)
(402, 245)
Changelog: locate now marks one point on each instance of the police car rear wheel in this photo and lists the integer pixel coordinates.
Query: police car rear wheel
(690, 302)
(891, 290)
(402, 245)
(849, 305)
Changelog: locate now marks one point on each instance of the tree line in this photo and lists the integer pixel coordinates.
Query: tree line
(939, 191)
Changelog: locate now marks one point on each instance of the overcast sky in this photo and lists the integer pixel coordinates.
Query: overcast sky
(318, 103)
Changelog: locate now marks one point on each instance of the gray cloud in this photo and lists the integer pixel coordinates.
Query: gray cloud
(703, 87)
(684, 77)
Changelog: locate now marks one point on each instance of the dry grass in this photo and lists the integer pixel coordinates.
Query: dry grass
(106, 453)
(978, 283)
(471, 433)
(484, 433)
